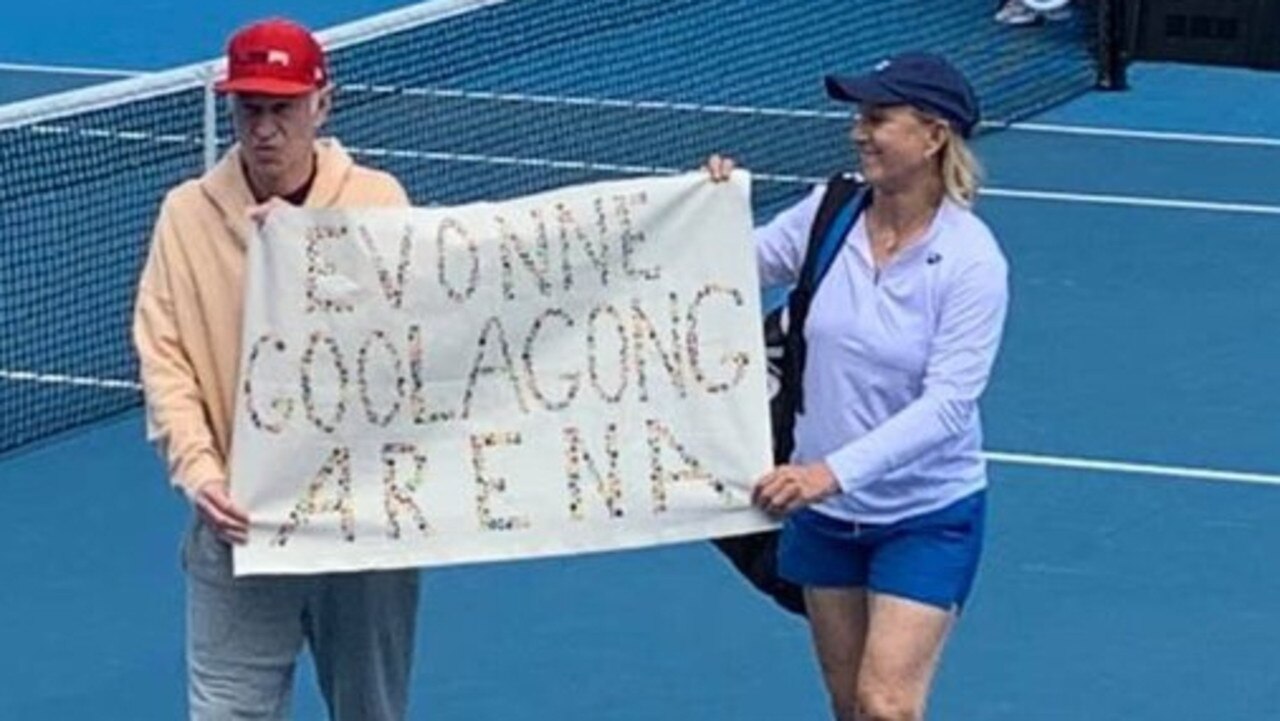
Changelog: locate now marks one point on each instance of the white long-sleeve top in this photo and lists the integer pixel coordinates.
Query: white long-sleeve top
(897, 359)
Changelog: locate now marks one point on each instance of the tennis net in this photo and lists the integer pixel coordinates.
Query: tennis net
(462, 100)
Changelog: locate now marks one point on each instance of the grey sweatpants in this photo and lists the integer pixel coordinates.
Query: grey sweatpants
(244, 637)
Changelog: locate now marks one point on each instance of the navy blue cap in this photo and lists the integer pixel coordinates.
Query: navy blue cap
(924, 81)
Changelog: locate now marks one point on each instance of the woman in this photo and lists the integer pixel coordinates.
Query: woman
(884, 496)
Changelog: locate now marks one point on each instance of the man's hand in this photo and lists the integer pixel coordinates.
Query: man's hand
(790, 488)
(258, 213)
(213, 501)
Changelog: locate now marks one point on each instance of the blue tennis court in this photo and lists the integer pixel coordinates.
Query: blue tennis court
(1132, 420)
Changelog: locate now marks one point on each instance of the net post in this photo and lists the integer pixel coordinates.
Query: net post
(1112, 54)
(209, 139)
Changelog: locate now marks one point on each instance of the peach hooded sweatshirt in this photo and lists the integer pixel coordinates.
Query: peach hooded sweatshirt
(187, 320)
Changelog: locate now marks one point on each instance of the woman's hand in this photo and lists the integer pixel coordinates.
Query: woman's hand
(719, 167)
(790, 488)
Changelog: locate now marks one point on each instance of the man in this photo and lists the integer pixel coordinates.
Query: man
(244, 635)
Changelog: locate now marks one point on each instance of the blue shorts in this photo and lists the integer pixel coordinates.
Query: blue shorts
(931, 558)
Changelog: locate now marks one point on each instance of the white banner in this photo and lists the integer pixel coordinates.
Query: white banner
(580, 370)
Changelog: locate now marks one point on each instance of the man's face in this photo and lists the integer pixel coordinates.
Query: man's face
(277, 133)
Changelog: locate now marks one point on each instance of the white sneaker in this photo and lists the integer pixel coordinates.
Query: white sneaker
(1051, 10)
(1015, 13)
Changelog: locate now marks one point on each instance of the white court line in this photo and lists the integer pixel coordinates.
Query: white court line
(1132, 200)
(68, 380)
(557, 164)
(130, 135)
(1140, 469)
(585, 165)
(1016, 459)
(768, 111)
(587, 101)
(1134, 134)
(70, 70)
(1055, 196)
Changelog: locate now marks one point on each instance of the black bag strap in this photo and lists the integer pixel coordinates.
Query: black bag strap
(844, 200)
(755, 555)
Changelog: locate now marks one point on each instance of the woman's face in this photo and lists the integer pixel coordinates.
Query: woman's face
(897, 145)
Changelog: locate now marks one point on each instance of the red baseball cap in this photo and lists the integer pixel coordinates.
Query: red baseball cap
(274, 57)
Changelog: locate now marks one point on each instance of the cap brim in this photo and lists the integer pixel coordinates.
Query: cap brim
(861, 89)
(264, 86)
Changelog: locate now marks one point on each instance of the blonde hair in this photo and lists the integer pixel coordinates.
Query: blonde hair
(961, 170)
